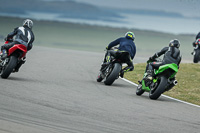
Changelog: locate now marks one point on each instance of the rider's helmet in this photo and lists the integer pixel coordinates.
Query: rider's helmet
(28, 23)
(174, 43)
(130, 35)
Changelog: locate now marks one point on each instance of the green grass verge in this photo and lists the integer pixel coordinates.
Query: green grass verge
(188, 78)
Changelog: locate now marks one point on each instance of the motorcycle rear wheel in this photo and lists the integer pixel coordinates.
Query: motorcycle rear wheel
(160, 88)
(8, 68)
(113, 74)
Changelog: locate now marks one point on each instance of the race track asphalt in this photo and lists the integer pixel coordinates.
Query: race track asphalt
(56, 92)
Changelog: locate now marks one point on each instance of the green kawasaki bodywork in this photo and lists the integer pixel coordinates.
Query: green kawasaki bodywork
(162, 68)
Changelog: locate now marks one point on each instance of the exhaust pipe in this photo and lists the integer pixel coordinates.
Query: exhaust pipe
(175, 82)
(171, 84)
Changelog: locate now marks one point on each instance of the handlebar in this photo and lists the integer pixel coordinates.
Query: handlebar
(156, 60)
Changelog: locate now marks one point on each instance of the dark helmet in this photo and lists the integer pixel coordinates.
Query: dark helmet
(174, 43)
(28, 23)
(130, 35)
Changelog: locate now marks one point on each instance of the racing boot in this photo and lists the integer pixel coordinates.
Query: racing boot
(121, 74)
(192, 53)
(149, 76)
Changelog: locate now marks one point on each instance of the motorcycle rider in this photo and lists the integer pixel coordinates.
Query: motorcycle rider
(23, 35)
(171, 55)
(195, 42)
(126, 44)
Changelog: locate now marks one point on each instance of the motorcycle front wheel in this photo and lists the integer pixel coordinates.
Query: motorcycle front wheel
(139, 90)
(99, 78)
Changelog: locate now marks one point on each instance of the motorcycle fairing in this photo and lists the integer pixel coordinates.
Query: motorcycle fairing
(20, 47)
(162, 68)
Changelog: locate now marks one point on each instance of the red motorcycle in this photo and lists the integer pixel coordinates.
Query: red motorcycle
(15, 55)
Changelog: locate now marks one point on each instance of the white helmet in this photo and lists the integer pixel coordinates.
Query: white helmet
(28, 23)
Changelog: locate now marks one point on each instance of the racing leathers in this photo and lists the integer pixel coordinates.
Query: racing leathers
(126, 44)
(23, 35)
(197, 37)
(171, 55)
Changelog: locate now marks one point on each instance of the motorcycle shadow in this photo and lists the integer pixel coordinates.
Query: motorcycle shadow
(118, 85)
(161, 98)
(22, 79)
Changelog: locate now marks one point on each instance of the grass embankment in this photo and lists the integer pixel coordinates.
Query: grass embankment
(188, 78)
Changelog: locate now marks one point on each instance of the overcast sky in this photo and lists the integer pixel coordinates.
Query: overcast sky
(189, 8)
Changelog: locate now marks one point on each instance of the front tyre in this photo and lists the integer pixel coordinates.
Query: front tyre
(160, 88)
(99, 78)
(9, 67)
(139, 90)
(113, 74)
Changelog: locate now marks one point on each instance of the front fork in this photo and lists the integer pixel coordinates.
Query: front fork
(105, 71)
(3, 62)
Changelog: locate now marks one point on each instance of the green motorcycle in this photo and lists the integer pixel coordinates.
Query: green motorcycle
(163, 80)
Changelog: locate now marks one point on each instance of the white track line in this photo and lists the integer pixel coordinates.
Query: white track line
(163, 95)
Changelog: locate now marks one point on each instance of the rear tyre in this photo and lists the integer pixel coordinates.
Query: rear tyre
(196, 56)
(139, 90)
(9, 67)
(155, 93)
(113, 75)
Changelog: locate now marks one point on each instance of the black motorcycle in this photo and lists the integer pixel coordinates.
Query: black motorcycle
(111, 71)
(196, 52)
